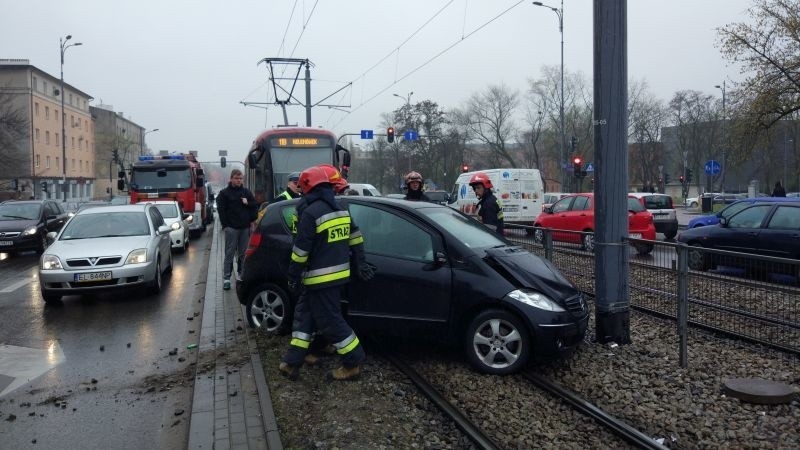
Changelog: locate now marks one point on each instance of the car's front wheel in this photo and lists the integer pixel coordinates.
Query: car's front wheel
(270, 308)
(497, 343)
(156, 284)
(698, 259)
(538, 235)
(49, 298)
(42, 243)
(587, 241)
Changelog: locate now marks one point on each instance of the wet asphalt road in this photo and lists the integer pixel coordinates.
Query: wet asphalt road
(107, 379)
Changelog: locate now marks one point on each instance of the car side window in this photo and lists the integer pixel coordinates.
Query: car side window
(581, 203)
(750, 217)
(289, 215)
(389, 234)
(785, 218)
(48, 210)
(562, 205)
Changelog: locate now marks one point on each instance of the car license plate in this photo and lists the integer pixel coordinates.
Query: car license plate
(92, 276)
(636, 235)
(6, 243)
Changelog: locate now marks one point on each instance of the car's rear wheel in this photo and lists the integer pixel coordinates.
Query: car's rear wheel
(693, 205)
(671, 234)
(270, 308)
(587, 242)
(497, 343)
(643, 249)
(50, 298)
(538, 235)
(698, 260)
(156, 284)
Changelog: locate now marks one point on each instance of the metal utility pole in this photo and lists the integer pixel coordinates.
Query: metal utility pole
(724, 167)
(560, 13)
(611, 172)
(62, 43)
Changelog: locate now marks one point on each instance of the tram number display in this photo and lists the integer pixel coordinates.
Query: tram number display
(299, 142)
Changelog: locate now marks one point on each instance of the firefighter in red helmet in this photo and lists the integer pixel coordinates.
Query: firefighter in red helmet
(414, 192)
(320, 264)
(490, 211)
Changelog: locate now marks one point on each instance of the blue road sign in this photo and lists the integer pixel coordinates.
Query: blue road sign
(590, 167)
(712, 167)
(410, 135)
(366, 134)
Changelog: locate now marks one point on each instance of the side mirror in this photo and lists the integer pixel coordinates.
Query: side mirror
(187, 216)
(252, 160)
(723, 221)
(440, 259)
(549, 210)
(50, 237)
(163, 229)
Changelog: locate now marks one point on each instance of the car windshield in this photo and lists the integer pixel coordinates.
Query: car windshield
(169, 211)
(658, 202)
(113, 224)
(469, 231)
(17, 211)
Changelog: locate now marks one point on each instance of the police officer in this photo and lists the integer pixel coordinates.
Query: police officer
(292, 190)
(414, 187)
(490, 211)
(320, 262)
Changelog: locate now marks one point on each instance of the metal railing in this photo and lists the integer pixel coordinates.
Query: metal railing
(747, 296)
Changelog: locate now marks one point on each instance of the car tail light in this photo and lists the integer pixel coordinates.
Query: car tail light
(253, 243)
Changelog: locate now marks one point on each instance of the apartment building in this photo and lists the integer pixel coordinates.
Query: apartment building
(120, 141)
(54, 155)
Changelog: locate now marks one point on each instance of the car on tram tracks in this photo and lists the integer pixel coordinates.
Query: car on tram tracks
(439, 273)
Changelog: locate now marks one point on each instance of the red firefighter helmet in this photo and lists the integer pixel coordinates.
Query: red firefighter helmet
(481, 178)
(335, 177)
(413, 176)
(311, 178)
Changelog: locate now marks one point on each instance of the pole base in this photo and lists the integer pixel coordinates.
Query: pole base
(613, 327)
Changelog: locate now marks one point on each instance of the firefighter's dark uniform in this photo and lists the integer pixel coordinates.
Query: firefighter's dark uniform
(321, 262)
(490, 211)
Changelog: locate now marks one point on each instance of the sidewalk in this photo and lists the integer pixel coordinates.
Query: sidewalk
(231, 408)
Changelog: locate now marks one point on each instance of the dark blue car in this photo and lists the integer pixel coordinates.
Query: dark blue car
(733, 208)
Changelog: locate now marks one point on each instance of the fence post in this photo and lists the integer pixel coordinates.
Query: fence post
(683, 303)
(548, 244)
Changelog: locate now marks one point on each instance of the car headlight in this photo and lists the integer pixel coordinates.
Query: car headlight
(190, 218)
(51, 262)
(137, 256)
(536, 300)
(30, 231)
(175, 225)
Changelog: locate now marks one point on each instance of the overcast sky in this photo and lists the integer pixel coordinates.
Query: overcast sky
(184, 66)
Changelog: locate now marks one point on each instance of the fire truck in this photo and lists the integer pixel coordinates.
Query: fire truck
(176, 177)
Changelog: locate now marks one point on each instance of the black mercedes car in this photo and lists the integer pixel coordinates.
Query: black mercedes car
(440, 274)
(24, 224)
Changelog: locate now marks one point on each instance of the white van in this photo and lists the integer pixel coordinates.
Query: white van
(520, 192)
(365, 189)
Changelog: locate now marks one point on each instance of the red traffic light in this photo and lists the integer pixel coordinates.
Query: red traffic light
(465, 168)
(390, 134)
(576, 160)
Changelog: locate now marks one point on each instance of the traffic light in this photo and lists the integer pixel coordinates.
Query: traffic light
(666, 178)
(465, 168)
(683, 180)
(390, 134)
(577, 165)
(223, 162)
(44, 186)
(688, 175)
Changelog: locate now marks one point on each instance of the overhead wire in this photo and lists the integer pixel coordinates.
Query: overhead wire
(428, 61)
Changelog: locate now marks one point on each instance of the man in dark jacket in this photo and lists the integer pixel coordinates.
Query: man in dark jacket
(490, 211)
(320, 262)
(779, 191)
(236, 208)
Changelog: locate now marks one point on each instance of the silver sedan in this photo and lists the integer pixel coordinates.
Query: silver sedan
(100, 249)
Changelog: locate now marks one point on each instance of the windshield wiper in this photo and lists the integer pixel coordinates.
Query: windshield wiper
(16, 217)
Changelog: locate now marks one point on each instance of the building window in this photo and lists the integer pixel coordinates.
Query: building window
(80, 166)
(73, 164)
(36, 108)
(44, 88)
(70, 99)
(37, 135)
(58, 163)
(47, 161)
(73, 146)
(58, 117)
(47, 137)
(47, 112)
(37, 160)
(35, 84)
(58, 141)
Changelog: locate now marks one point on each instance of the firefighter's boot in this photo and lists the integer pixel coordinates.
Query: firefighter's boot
(342, 373)
(292, 373)
(311, 359)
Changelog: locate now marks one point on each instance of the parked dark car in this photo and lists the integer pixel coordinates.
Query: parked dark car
(440, 274)
(770, 229)
(733, 208)
(24, 224)
(439, 197)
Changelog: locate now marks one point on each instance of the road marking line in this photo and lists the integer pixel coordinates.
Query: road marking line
(15, 286)
(23, 364)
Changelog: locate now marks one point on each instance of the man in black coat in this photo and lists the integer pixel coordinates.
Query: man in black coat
(236, 208)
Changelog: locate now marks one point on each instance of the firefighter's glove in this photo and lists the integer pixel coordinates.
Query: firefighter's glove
(366, 271)
(294, 287)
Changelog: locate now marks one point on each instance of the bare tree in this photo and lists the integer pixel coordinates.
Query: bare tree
(647, 115)
(694, 115)
(489, 118)
(14, 129)
(768, 48)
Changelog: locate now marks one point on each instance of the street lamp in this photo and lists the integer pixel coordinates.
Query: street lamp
(407, 97)
(724, 136)
(144, 135)
(560, 13)
(64, 46)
